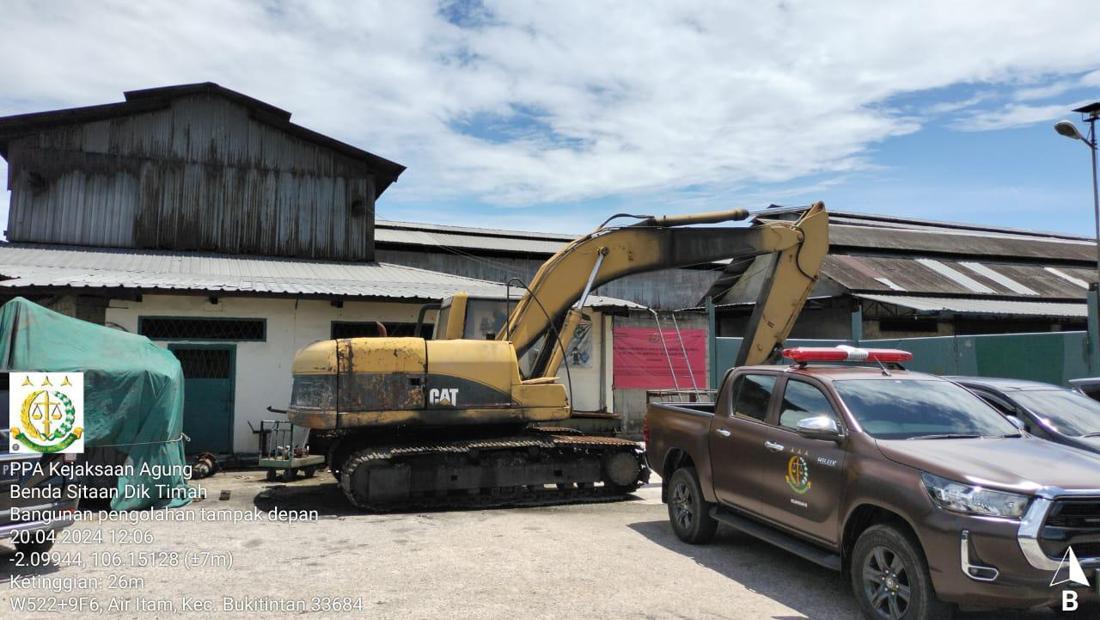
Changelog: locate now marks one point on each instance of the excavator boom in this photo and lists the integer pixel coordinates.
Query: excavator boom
(655, 243)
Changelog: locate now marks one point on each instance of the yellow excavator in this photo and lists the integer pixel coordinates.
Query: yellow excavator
(456, 421)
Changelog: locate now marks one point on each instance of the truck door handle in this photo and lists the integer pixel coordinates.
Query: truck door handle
(723, 432)
(774, 447)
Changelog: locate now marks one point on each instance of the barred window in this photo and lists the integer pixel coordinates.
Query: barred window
(175, 328)
(369, 329)
(204, 363)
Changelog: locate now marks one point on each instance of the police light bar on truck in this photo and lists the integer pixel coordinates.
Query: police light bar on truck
(844, 353)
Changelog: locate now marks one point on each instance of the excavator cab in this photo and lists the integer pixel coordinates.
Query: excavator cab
(450, 320)
(463, 317)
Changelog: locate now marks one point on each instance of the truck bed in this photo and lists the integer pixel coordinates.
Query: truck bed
(676, 430)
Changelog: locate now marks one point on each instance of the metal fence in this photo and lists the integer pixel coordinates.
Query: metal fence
(1053, 357)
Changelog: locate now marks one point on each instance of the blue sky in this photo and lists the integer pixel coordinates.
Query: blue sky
(549, 116)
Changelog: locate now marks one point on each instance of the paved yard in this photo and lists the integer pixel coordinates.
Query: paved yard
(609, 560)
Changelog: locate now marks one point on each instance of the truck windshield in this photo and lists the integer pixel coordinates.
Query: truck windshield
(920, 409)
(1068, 411)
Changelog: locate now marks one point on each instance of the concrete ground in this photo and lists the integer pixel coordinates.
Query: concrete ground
(582, 561)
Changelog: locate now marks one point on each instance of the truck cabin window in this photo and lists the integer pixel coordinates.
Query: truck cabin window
(800, 401)
(751, 394)
(920, 409)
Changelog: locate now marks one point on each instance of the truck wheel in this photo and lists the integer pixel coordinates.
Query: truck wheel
(688, 513)
(890, 578)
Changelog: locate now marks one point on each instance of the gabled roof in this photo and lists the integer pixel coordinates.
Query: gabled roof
(152, 99)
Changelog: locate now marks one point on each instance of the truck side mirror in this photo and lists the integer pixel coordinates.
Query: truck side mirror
(819, 427)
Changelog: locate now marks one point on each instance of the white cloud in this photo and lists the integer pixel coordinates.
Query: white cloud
(622, 98)
(1013, 115)
(947, 107)
(1046, 91)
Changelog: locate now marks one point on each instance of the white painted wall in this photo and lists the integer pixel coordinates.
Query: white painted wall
(263, 375)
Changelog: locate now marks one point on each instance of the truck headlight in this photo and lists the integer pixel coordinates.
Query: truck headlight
(974, 500)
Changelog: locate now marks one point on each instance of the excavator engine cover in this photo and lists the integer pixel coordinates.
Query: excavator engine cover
(375, 382)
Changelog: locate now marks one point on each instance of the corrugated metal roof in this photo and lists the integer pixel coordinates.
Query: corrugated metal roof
(914, 224)
(956, 276)
(959, 243)
(921, 275)
(469, 238)
(983, 306)
(908, 223)
(462, 240)
(481, 232)
(30, 266)
(881, 233)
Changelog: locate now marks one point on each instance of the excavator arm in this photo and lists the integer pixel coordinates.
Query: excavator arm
(791, 276)
(658, 243)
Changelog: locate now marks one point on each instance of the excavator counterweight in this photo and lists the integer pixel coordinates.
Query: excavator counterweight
(449, 421)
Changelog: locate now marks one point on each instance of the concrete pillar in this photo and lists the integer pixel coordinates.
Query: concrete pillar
(857, 324)
(1094, 330)
(712, 345)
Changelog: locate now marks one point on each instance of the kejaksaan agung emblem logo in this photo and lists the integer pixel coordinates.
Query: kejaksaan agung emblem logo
(46, 412)
(798, 475)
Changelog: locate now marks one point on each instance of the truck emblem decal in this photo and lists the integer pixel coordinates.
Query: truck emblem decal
(798, 475)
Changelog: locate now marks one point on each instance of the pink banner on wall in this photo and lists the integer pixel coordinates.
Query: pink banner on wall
(640, 360)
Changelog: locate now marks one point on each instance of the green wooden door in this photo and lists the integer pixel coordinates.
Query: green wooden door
(208, 373)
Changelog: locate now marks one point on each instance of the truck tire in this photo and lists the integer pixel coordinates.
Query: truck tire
(688, 512)
(890, 578)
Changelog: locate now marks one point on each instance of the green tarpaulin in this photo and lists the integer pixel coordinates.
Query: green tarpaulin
(133, 394)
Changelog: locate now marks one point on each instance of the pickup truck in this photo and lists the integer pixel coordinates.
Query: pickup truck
(923, 494)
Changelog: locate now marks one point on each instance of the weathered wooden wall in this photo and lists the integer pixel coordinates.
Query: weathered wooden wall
(200, 174)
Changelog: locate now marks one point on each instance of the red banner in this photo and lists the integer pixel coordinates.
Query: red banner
(640, 359)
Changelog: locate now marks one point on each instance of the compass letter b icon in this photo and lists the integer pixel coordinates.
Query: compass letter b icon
(1069, 571)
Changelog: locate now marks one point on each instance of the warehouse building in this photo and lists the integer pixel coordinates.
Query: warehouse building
(889, 277)
(207, 221)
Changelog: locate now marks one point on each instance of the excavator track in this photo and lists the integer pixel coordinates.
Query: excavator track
(534, 468)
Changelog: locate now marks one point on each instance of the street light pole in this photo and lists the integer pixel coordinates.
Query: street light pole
(1090, 113)
(1095, 194)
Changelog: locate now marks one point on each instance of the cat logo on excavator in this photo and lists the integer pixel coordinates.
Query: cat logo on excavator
(443, 396)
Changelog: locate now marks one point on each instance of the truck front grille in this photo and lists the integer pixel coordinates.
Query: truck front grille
(1072, 523)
